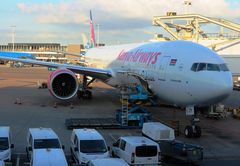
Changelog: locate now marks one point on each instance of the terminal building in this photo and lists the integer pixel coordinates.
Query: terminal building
(48, 51)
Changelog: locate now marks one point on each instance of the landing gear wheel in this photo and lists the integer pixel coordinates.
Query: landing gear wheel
(188, 131)
(198, 132)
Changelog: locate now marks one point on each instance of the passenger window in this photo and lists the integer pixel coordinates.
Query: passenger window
(123, 145)
(213, 67)
(146, 151)
(194, 67)
(202, 66)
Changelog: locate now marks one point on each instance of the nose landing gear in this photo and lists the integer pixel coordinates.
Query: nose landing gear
(192, 131)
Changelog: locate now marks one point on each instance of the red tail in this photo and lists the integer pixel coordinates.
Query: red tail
(92, 35)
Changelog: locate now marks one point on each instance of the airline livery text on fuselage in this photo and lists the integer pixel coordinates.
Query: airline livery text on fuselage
(139, 56)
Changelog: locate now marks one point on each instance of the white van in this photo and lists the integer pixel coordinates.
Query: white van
(5, 143)
(44, 148)
(137, 150)
(107, 161)
(48, 157)
(87, 144)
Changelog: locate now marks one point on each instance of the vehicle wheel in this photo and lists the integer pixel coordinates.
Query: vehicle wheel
(198, 132)
(188, 132)
(165, 158)
(72, 155)
(27, 155)
(113, 155)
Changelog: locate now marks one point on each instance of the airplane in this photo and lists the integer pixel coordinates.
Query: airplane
(180, 73)
(16, 55)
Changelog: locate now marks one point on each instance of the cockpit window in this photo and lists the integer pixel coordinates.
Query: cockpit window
(213, 67)
(209, 67)
(194, 67)
(202, 66)
(223, 67)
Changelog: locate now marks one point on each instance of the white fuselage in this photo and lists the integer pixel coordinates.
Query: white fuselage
(166, 67)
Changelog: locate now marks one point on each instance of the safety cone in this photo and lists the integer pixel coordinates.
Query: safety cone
(55, 105)
(71, 106)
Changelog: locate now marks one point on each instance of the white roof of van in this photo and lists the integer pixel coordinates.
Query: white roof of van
(49, 157)
(138, 140)
(109, 161)
(42, 133)
(88, 134)
(4, 131)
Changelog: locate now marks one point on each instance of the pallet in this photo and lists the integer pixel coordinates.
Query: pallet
(104, 123)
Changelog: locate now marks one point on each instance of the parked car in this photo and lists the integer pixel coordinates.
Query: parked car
(87, 144)
(137, 150)
(5, 143)
(44, 148)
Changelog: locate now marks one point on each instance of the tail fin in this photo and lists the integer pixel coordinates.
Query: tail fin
(92, 35)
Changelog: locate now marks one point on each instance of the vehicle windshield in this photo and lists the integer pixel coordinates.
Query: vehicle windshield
(4, 145)
(146, 151)
(93, 146)
(46, 144)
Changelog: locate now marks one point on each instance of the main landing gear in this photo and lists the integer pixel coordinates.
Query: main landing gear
(84, 92)
(192, 131)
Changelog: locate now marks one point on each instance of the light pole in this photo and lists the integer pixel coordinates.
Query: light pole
(187, 4)
(98, 34)
(13, 35)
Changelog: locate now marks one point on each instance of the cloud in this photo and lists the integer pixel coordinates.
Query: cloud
(127, 8)
(122, 15)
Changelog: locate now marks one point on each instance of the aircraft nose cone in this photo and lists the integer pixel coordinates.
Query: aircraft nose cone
(224, 87)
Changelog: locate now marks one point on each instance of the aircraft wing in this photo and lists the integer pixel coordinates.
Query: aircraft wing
(102, 74)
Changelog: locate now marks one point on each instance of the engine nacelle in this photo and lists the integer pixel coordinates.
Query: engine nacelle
(63, 84)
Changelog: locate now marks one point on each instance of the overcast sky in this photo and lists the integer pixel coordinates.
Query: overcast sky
(121, 21)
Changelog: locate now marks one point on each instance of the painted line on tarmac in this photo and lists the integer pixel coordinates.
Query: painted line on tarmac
(112, 137)
(18, 161)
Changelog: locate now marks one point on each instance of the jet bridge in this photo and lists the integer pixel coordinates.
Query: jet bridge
(226, 42)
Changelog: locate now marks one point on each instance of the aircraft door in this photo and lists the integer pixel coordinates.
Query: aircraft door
(164, 61)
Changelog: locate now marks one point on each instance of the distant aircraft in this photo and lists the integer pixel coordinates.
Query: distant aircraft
(180, 73)
(16, 54)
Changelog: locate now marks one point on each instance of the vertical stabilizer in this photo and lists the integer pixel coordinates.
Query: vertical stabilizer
(92, 35)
